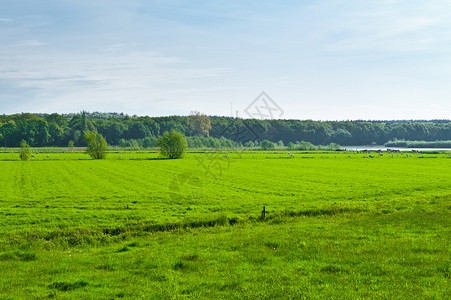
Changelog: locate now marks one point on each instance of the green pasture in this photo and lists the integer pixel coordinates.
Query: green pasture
(337, 225)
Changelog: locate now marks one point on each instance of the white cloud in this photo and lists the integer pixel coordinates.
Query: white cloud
(30, 43)
(106, 79)
(384, 26)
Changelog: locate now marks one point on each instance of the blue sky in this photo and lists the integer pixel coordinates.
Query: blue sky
(321, 60)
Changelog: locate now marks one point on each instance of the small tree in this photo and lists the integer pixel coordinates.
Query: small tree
(97, 146)
(172, 145)
(25, 150)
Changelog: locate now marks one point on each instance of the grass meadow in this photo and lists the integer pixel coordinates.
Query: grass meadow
(337, 225)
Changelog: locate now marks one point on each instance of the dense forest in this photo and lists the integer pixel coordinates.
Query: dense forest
(122, 130)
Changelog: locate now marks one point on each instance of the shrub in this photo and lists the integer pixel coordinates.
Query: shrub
(97, 146)
(25, 150)
(172, 145)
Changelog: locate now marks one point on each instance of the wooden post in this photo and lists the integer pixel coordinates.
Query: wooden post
(263, 213)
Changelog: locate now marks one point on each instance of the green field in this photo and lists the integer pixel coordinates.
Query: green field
(337, 225)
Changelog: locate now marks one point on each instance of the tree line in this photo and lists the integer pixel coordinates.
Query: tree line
(419, 144)
(41, 130)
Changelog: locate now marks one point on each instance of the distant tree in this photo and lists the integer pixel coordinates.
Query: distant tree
(25, 150)
(149, 142)
(56, 134)
(79, 122)
(342, 136)
(134, 144)
(153, 126)
(77, 137)
(123, 143)
(291, 145)
(265, 144)
(137, 130)
(71, 144)
(83, 122)
(199, 124)
(57, 119)
(42, 135)
(332, 147)
(306, 146)
(172, 145)
(249, 144)
(114, 132)
(195, 142)
(96, 145)
(9, 131)
(225, 143)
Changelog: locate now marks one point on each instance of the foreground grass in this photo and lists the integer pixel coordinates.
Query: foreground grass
(337, 226)
(403, 254)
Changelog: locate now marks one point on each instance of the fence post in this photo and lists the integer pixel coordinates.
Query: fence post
(263, 213)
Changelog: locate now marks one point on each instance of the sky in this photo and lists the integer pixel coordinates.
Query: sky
(319, 60)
